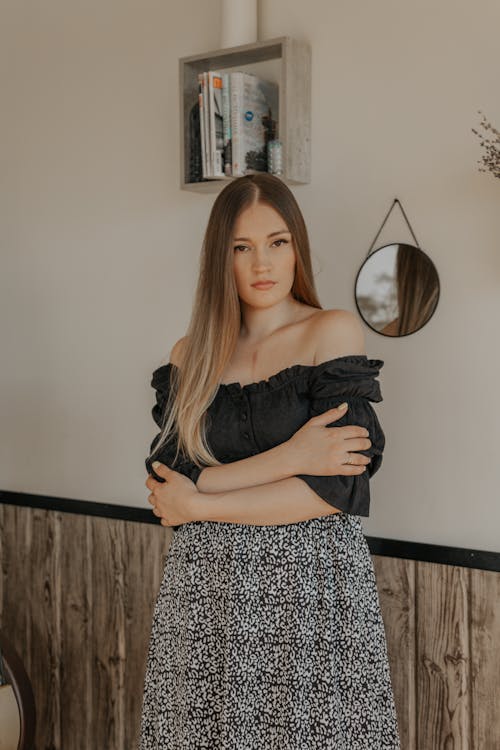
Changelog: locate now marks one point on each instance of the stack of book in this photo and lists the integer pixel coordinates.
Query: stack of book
(231, 124)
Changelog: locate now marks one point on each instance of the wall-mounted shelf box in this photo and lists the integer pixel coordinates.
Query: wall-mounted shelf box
(292, 72)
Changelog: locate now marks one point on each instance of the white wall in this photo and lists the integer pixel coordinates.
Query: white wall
(99, 247)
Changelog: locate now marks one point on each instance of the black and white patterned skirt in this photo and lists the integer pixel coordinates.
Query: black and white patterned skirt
(268, 638)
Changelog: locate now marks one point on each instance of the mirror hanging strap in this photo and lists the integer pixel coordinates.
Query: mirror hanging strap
(385, 220)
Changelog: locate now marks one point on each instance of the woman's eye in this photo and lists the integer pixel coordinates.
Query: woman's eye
(244, 247)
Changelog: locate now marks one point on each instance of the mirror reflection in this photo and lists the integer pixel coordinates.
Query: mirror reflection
(397, 289)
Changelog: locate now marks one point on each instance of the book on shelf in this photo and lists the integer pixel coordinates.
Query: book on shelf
(226, 124)
(206, 112)
(195, 154)
(238, 115)
(216, 128)
(201, 106)
(254, 118)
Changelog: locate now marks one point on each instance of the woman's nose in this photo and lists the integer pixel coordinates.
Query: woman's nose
(261, 259)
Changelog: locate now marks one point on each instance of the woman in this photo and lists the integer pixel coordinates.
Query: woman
(267, 632)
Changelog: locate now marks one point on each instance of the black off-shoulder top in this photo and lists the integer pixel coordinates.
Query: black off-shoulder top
(244, 420)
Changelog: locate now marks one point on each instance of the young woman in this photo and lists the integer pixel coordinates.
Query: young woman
(267, 632)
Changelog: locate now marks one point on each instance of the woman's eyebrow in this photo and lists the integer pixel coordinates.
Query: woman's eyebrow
(247, 239)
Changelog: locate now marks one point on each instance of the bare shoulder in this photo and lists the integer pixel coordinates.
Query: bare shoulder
(176, 353)
(337, 333)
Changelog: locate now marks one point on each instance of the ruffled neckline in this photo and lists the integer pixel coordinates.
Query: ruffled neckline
(288, 374)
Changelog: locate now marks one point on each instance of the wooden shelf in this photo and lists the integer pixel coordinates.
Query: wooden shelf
(291, 69)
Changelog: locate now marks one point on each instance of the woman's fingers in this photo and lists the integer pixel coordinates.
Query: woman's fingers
(350, 469)
(353, 431)
(330, 415)
(348, 431)
(358, 458)
(357, 444)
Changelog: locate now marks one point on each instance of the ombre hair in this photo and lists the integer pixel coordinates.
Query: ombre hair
(215, 322)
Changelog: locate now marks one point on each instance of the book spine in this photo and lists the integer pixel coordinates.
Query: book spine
(202, 125)
(226, 124)
(206, 101)
(236, 124)
(211, 135)
(216, 133)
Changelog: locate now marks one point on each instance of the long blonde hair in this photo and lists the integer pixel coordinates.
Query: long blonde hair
(214, 327)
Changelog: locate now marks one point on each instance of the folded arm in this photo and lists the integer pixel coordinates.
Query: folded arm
(285, 501)
(269, 466)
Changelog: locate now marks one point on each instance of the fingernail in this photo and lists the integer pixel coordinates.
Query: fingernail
(155, 464)
(343, 406)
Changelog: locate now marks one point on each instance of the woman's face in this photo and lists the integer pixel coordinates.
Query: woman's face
(263, 251)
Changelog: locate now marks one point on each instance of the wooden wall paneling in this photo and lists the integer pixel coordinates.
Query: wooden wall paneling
(77, 595)
(2, 558)
(17, 599)
(45, 616)
(108, 633)
(485, 654)
(19, 594)
(76, 632)
(396, 589)
(146, 549)
(443, 658)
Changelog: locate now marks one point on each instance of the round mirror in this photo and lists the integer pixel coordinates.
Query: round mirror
(397, 289)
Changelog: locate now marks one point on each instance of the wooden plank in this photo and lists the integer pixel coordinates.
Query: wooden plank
(108, 634)
(443, 659)
(3, 512)
(28, 596)
(396, 588)
(294, 126)
(45, 656)
(76, 632)
(18, 598)
(485, 651)
(146, 547)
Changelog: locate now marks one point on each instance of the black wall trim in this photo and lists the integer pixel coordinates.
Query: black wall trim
(435, 553)
(82, 507)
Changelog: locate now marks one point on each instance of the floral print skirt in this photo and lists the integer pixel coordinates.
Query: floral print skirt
(268, 638)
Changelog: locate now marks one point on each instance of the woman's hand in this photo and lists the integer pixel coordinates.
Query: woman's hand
(323, 451)
(173, 500)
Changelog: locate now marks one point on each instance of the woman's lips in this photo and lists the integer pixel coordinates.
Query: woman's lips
(264, 285)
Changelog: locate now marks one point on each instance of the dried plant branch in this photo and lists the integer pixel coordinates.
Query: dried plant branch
(490, 161)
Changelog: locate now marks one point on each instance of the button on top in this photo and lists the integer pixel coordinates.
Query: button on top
(244, 416)
(246, 435)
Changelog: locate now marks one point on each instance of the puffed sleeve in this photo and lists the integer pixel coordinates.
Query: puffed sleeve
(161, 383)
(351, 379)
